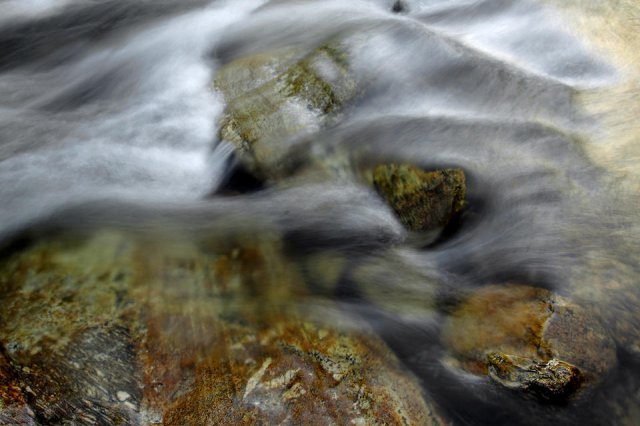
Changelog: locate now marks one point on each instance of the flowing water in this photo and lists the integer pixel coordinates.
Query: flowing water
(109, 118)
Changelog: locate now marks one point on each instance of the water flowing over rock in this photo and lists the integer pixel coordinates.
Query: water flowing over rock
(414, 212)
(423, 200)
(109, 329)
(271, 98)
(554, 381)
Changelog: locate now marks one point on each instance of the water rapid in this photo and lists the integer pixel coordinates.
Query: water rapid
(110, 119)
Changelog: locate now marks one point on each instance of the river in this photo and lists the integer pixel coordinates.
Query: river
(109, 118)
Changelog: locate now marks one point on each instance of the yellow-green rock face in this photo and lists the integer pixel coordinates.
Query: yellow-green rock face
(110, 329)
(272, 98)
(423, 200)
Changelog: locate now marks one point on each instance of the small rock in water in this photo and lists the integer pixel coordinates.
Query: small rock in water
(398, 7)
(530, 339)
(122, 396)
(554, 381)
(272, 98)
(423, 200)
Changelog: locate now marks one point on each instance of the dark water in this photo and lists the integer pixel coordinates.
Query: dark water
(108, 117)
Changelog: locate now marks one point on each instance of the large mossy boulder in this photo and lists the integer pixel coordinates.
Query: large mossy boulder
(274, 97)
(112, 329)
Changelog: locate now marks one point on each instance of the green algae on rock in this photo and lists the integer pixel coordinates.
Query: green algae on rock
(517, 333)
(423, 200)
(272, 98)
(114, 329)
(66, 331)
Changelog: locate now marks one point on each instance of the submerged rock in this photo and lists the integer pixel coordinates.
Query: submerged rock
(110, 329)
(423, 200)
(609, 287)
(410, 296)
(295, 372)
(529, 339)
(68, 334)
(272, 98)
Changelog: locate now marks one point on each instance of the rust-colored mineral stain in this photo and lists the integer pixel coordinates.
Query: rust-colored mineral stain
(10, 392)
(184, 335)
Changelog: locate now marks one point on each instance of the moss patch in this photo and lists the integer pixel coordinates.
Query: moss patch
(423, 200)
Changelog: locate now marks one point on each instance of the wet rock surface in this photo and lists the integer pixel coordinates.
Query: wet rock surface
(553, 381)
(423, 200)
(113, 330)
(273, 97)
(527, 338)
(609, 288)
(13, 403)
(67, 335)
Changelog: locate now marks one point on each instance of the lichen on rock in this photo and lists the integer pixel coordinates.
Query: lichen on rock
(66, 332)
(423, 200)
(554, 381)
(272, 98)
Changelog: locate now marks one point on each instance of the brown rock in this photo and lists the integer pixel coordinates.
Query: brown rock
(65, 332)
(14, 409)
(257, 358)
(114, 330)
(529, 330)
(553, 381)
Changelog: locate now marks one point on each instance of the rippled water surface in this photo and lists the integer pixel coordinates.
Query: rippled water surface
(109, 119)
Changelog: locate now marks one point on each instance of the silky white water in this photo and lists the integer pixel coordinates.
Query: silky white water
(108, 116)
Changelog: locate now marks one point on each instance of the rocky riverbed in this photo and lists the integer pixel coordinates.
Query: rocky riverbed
(306, 212)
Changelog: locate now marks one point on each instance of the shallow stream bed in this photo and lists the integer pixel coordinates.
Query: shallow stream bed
(412, 212)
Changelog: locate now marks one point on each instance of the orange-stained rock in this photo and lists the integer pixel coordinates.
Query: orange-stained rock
(268, 353)
(110, 329)
(14, 409)
(517, 332)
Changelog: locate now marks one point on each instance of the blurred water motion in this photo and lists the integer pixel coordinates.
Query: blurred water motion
(135, 241)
